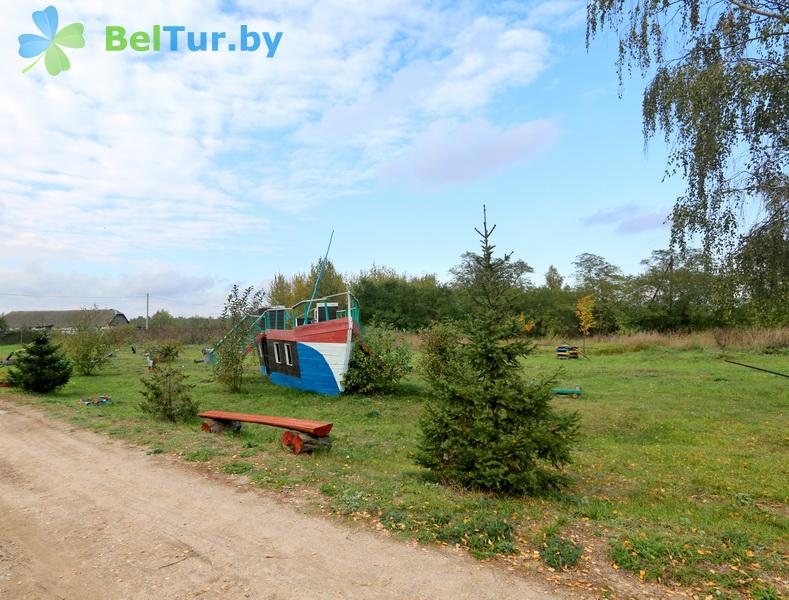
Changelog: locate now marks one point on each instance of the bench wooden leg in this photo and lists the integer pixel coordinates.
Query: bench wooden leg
(221, 426)
(299, 442)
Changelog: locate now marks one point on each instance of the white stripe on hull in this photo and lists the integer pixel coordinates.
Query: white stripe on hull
(337, 356)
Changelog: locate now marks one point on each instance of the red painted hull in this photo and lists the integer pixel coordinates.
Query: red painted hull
(335, 331)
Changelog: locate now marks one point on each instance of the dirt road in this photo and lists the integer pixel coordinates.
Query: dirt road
(83, 516)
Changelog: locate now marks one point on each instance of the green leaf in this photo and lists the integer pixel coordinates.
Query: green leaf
(56, 60)
(71, 36)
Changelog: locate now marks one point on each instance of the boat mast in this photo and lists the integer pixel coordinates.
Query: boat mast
(318, 280)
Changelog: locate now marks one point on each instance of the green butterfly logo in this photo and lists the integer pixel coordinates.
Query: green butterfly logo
(56, 61)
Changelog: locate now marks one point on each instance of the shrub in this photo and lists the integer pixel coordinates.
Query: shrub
(165, 353)
(125, 334)
(485, 426)
(40, 367)
(378, 363)
(167, 396)
(88, 346)
(439, 347)
(230, 351)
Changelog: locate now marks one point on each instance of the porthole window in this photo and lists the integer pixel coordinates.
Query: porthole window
(277, 355)
(288, 355)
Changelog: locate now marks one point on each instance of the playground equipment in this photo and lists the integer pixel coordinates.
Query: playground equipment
(307, 346)
(302, 347)
(97, 400)
(573, 392)
(565, 352)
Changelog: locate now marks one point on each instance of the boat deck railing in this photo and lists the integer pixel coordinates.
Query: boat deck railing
(309, 311)
(280, 317)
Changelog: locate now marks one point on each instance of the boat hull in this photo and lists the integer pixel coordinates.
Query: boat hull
(312, 357)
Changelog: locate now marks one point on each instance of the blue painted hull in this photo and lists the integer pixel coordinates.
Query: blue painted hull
(316, 372)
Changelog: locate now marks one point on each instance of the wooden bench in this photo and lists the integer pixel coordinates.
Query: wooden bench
(301, 435)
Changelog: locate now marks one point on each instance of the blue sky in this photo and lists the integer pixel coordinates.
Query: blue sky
(181, 173)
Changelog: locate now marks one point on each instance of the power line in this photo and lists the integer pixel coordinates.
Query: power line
(178, 301)
(65, 297)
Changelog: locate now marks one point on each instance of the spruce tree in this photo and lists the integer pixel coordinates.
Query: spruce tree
(166, 396)
(485, 426)
(41, 367)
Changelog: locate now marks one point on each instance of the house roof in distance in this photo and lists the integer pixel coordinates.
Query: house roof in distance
(58, 319)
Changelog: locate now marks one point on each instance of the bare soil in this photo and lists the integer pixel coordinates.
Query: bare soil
(83, 516)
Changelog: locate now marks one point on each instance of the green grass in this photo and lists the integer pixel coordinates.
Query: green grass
(680, 476)
(557, 551)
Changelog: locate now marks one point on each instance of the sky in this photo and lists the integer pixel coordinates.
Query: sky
(178, 174)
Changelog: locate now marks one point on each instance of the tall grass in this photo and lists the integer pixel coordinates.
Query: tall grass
(767, 341)
(764, 341)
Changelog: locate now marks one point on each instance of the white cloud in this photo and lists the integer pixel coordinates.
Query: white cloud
(129, 155)
(557, 14)
(630, 218)
(36, 287)
(659, 219)
(548, 15)
(451, 152)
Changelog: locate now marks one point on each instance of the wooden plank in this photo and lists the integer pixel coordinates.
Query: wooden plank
(335, 331)
(316, 428)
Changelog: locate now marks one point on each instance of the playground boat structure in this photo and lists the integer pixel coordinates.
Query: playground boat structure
(307, 346)
(311, 352)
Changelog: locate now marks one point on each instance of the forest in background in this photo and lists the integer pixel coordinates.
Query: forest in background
(674, 292)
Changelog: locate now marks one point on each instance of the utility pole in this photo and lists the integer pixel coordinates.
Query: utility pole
(147, 305)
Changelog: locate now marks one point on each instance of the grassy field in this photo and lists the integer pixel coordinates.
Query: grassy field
(681, 476)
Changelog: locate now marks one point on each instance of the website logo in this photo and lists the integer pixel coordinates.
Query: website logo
(49, 45)
(178, 38)
(173, 38)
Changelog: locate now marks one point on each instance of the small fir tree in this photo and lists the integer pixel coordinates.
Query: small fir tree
(486, 426)
(165, 353)
(167, 396)
(40, 367)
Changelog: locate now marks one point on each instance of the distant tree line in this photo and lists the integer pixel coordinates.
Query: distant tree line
(186, 330)
(673, 292)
